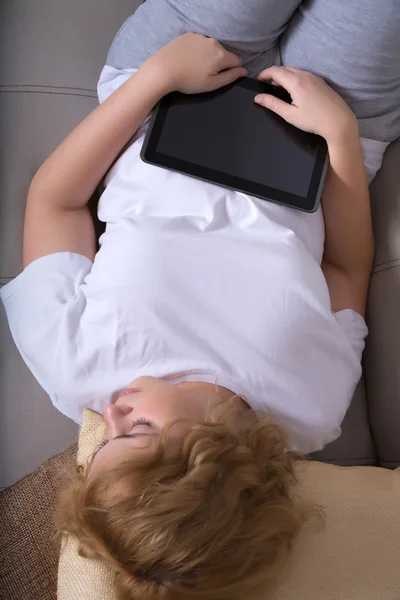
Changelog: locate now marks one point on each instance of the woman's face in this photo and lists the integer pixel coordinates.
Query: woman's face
(141, 411)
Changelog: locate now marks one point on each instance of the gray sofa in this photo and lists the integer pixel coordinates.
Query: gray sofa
(51, 54)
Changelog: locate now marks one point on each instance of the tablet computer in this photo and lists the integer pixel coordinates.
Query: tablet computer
(225, 138)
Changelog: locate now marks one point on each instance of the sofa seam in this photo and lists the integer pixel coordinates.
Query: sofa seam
(386, 262)
(386, 266)
(52, 93)
(39, 85)
(53, 90)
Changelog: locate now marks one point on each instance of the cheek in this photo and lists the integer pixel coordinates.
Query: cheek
(176, 406)
(153, 403)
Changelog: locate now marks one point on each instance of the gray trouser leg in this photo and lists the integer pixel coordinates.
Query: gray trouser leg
(249, 28)
(355, 46)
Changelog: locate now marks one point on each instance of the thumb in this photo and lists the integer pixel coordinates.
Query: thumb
(276, 105)
(228, 76)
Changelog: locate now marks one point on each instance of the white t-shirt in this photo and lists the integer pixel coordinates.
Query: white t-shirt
(193, 282)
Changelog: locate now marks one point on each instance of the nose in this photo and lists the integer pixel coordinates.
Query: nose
(114, 416)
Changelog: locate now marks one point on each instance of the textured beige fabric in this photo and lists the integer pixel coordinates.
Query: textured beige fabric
(80, 578)
(29, 548)
(355, 557)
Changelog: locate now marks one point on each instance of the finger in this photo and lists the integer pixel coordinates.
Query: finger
(230, 60)
(274, 83)
(280, 75)
(293, 69)
(302, 73)
(227, 77)
(279, 107)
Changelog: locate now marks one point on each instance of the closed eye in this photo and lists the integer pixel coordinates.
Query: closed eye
(141, 422)
(134, 424)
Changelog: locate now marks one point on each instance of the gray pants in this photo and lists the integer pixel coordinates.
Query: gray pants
(353, 44)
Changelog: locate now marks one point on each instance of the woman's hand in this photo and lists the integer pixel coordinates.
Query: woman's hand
(193, 64)
(315, 107)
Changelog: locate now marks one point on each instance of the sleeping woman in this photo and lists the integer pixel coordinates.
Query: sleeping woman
(216, 332)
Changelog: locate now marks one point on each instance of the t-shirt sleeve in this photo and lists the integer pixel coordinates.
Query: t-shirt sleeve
(354, 327)
(329, 371)
(44, 305)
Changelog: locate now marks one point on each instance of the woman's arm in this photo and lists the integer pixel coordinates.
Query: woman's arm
(57, 218)
(349, 243)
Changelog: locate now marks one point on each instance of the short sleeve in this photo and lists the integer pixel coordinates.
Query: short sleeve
(44, 305)
(354, 327)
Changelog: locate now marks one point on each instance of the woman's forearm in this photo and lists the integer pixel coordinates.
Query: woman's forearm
(70, 175)
(189, 64)
(349, 243)
(56, 217)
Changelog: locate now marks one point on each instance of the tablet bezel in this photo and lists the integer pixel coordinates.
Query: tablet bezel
(150, 155)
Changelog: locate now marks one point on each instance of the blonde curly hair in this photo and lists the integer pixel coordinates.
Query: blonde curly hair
(214, 521)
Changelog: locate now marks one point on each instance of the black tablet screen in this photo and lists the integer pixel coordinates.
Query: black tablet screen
(226, 132)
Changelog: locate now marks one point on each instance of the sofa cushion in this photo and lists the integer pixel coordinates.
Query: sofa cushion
(356, 445)
(381, 357)
(33, 124)
(355, 557)
(51, 54)
(29, 549)
(31, 429)
(58, 44)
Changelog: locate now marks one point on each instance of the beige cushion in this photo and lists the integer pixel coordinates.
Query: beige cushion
(355, 557)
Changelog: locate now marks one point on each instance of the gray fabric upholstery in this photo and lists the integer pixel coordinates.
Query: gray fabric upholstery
(51, 53)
